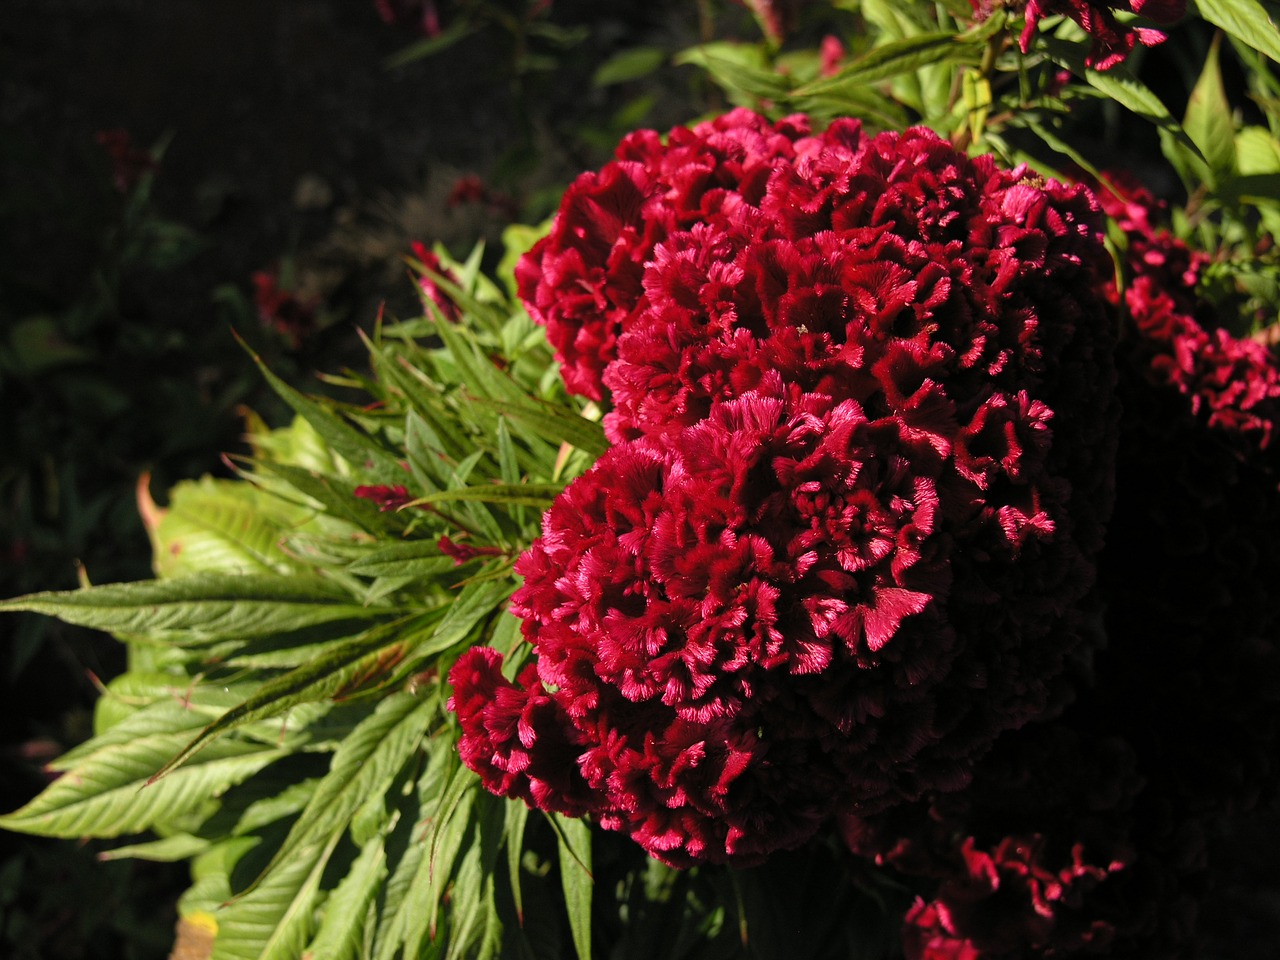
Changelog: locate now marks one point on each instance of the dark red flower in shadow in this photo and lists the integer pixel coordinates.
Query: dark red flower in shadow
(432, 292)
(862, 464)
(282, 310)
(1113, 41)
(129, 164)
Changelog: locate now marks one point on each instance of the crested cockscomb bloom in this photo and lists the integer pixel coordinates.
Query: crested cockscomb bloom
(1188, 559)
(431, 290)
(1113, 40)
(1058, 848)
(1232, 384)
(584, 280)
(862, 460)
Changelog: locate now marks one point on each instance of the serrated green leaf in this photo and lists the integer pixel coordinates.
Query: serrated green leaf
(477, 601)
(180, 846)
(417, 558)
(205, 608)
(276, 919)
(365, 763)
(737, 67)
(574, 846)
(316, 680)
(1208, 119)
(1249, 21)
(348, 911)
(355, 446)
(109, 792)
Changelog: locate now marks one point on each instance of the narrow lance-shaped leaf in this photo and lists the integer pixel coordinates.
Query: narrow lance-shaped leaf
(354, 445)
(206, 607)
(275, 920)
(552, 423)
(110, 792)
(343, 930)
(478, 600)
(575, 876)
(316, 680)
(526, 494)
(1122, 87)
(365, 763)
(900, 56)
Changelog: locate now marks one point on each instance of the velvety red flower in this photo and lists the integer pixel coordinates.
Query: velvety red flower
(583, 280)
(862, 465)
(387, 498)
(1112, 40)
(1195, 534)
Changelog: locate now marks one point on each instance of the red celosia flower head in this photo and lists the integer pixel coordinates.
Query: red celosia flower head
(1113, 41)
(863, 446)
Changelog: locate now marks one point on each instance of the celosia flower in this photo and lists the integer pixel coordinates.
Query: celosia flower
(1042, 856)
(431, 291)
(583, 280)
(1188, 558)
(777, 18)
(283, 310)
(862, 463)
(1113, 41)
(387, 498)
(420, 15)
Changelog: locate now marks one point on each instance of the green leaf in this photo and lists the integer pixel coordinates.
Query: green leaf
(349, 910)
(316, 680)
(1208, 120)
(630, 64)
(1248, 21)
(221, 526)
(364, 765)
(517, 817)
(902, 56)
(528, 494)
(575, 876)
(737, 67)
(1122, 87)
(355, 446)
(275, 920)
(1257, 151)
(109, 792)
(416, 558)
(180, 846)
(553, 423)
(477, 601)
(206, 608)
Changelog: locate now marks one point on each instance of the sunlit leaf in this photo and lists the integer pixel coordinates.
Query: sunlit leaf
(110, 793)
(205, 607)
